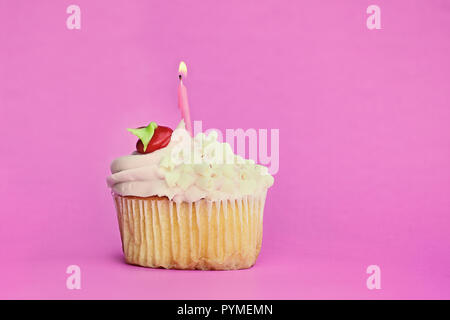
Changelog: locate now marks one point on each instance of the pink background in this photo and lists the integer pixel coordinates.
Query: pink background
(364, 140)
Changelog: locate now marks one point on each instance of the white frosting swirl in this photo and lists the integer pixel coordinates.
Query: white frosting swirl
(189, 169)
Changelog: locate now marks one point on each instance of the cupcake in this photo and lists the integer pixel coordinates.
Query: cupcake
(187, 202)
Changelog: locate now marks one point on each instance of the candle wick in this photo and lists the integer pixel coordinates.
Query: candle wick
(179, 76)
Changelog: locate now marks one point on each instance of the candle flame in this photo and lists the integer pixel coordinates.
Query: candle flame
(182, 70)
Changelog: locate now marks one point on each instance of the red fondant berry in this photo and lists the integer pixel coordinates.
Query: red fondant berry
(160, 139)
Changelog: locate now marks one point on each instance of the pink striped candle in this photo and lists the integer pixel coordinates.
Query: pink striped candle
(183, 103)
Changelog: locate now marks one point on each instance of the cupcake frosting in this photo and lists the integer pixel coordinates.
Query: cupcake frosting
(189, 169)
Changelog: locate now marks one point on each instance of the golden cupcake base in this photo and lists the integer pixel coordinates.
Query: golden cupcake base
(208, 235)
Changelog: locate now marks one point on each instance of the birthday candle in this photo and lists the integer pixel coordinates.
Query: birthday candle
(183, 103)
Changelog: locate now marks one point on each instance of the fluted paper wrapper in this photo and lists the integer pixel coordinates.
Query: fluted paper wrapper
(217, 235)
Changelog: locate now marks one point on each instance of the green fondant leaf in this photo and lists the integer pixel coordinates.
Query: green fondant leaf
(145, 134)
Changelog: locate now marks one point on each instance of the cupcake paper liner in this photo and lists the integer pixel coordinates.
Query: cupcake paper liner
(208, 235)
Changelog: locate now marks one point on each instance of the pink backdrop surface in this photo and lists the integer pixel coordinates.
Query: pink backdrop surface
(363, 116)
